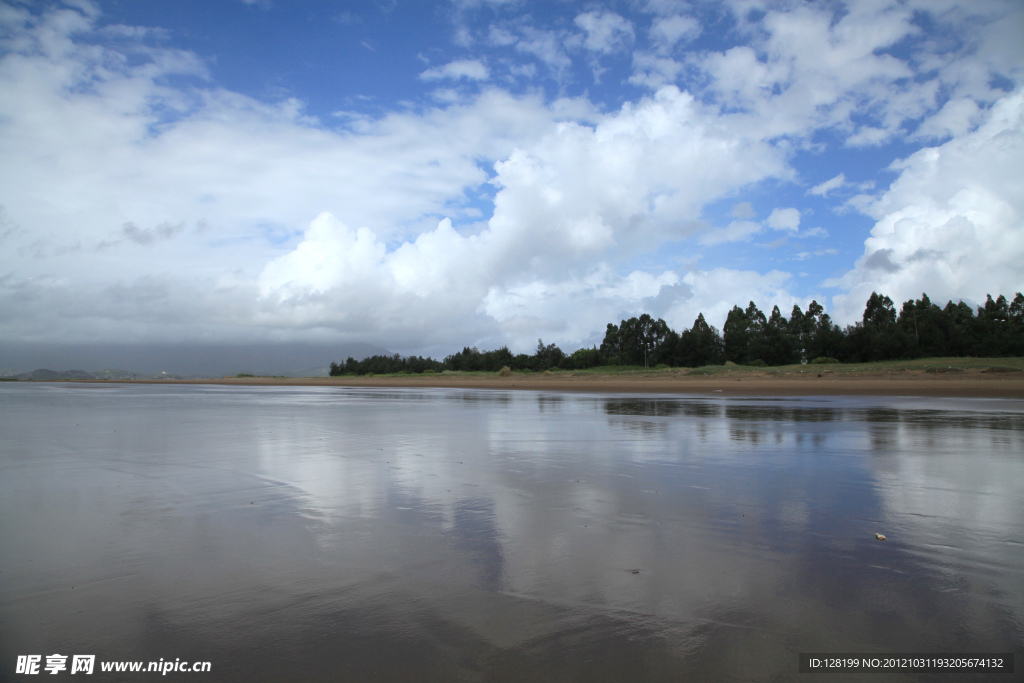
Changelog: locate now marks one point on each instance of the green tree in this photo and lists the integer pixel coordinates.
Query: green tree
(546, 357)
(926, 329)
(819, 337)
(611, 347)
(581, 359)
(701, 345)
(780, 345)
(876, 337)
(736, 336)
(744, 335)
(634, 340)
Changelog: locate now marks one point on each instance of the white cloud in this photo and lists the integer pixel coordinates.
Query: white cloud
(805, 68)
(569, 207)
(501, 37)
(734, 232)
(469, 69)
(784, 219)
(655, 71)
(952, 224)
(666, 32)
(545, 46)
(829, 185)
(714, 292)
(742, 230)
(956, 117)
(208, 191)
(606, 32)
(134, 207)
(805, 255)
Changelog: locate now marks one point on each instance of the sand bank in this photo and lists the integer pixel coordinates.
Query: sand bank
(971, 383)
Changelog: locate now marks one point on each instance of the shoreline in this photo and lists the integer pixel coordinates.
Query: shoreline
(962, 384)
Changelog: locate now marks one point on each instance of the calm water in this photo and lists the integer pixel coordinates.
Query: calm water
(350, 534)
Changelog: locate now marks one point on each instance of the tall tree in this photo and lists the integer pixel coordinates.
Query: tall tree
(546, 357)
(701, 345)
(611, 347)
(781, 347)
(736, 334)
(820, 338)
(925, 328)
(634, 340)
(876, 337)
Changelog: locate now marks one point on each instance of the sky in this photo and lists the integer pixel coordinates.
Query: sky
(425, 176)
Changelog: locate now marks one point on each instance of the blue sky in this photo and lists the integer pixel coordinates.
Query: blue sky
(424, 176)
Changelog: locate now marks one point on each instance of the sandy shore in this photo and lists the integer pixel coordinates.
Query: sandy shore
(966, 384)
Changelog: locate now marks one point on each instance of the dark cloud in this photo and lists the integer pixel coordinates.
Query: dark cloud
(667, 297)
(881, 260)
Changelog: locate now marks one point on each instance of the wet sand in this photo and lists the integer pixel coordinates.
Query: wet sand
(386, 534)
(969, 383)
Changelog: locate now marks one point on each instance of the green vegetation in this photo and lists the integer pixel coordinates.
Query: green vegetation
(750, 340)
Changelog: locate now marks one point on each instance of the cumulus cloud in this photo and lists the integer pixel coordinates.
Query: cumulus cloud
(568, 208)
(952, 224)
(495, 218)
(573, 202)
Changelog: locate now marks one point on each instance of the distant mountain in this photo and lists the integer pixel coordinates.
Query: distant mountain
(182, 360)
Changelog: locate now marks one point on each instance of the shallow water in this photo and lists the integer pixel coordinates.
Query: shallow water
(352, 534)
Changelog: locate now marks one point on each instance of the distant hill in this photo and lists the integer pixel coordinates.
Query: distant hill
(49, 375)
(180, 360)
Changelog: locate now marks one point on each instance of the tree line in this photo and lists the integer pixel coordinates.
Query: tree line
(920, 329)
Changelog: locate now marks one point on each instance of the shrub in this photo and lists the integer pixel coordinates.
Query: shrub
(823, 360)
(505, 371)
(757, 363)
(430, 371)
(661, 366)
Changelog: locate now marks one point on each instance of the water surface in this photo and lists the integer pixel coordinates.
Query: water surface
(323, 533)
